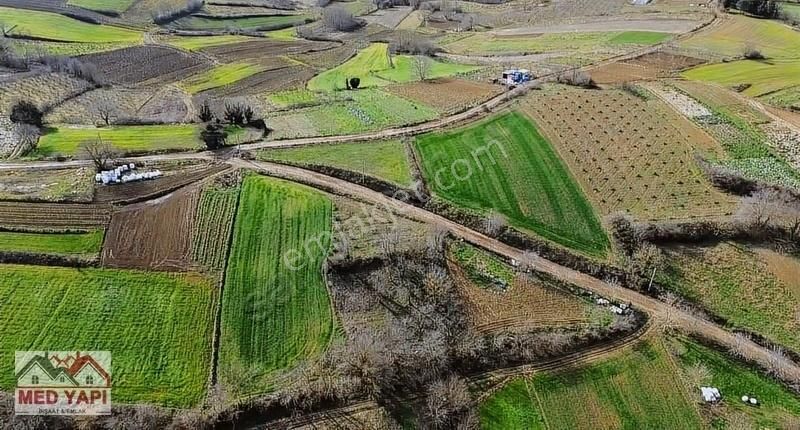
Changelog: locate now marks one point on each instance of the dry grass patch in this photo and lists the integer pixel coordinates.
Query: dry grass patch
(447, 95)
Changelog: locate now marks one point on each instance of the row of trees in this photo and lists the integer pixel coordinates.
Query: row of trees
(764, 8)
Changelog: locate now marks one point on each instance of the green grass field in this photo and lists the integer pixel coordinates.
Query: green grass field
(506, 165)
(196, 43)
(81, 244)
(375, 68)
(244, 23)
(275, 308)
(128, 139)
(115, 6)
(637, 390)
(779, 43)
(53, 26)
(224, 74)
(358, 111)
(386, 160)
(736, 283)
(778, 404)
(639, 38)
(157, 326)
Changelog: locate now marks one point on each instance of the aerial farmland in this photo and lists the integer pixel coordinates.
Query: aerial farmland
(405, 214)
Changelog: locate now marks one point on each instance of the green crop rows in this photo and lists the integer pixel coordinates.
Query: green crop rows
(506, 165)
(266, 22)
(82, 244)
(213, 226)
(157, 326)
(275, 308)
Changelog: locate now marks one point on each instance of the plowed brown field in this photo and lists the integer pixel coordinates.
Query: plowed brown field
(53, 217)
(447, 95)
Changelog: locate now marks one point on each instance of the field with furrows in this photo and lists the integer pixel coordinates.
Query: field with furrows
(631, 154)
(43, 90)
(147, 64)
(153, 235)
(113, 6)
(653, 65)
(268, 81)
(262, 23)
(213, 224)
(258, 49)
(327, 59)
(446, 95)
(219, 76)
(53, 217)
(175, 177)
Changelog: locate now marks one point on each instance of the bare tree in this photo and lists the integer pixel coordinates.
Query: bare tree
(740, 341)
(448, 401)
(435, 239)
(340, 19)
(28, 135)
(771, 208)
(106, 110)
(698, 375)
(422, 67)
(467, 22)
(494, 223)
(101, 152)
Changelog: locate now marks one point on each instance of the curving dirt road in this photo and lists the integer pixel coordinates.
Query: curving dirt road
(656, 309)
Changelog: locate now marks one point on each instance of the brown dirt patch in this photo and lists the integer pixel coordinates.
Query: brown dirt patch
(153, 235)
(326, 59)
(447, 95)
(630, 154)
(648, 66)
(284, 78)
(525, 305)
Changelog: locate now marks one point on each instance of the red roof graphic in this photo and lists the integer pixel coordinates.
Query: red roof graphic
(83, 360)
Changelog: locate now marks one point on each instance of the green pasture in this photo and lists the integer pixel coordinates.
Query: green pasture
(213, 224)
(774, 39)
(267, 22)
(504, 164)
(386, 160)
(376, 67)
(219, 76)
(275, 308)
(129, 139)
(778, 407)
(157, 326)
(731, 281)
(52, 26)
(196, 43)
(114, 6)
(636, 390)
(80, 244)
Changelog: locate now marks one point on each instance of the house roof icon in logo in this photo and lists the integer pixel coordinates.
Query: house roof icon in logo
(78, 370)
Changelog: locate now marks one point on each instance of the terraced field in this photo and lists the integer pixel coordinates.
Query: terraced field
(267, 22)
(66, 140)
(221, 75)
(114, 6)
(47, 217)
(80, 244)
(157, 326)
(385, 160)
(505, 164)
(634, 390)
(53, 26)
(275, 308)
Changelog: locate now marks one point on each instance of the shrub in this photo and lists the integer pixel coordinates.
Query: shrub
(577, 78)
(214, 136)
(205, 113)
(751, 53)
(165, 16)
(238, 113)
(26, 113)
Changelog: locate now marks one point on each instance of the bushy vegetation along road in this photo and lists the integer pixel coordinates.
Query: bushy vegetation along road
(275, 307)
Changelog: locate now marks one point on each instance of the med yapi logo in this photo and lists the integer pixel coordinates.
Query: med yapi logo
(62, 383)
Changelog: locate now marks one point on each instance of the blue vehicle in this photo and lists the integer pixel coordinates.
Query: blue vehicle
(516, 76)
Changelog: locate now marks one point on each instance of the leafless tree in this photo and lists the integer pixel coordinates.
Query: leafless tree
(390, 243)
(28, 135)
(106, 110)
(645, 262)
(422, 67)
(575, 77)
(435, 238)
(102, 153)
(340, 19)
(770, 207)
(448, 400)
(698, 375)
(467, 22)
(740, 341)
(494, 223)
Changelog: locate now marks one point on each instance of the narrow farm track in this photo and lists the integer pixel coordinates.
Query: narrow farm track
(655, 308)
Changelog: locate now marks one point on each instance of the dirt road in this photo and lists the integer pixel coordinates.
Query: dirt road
(655, 308)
